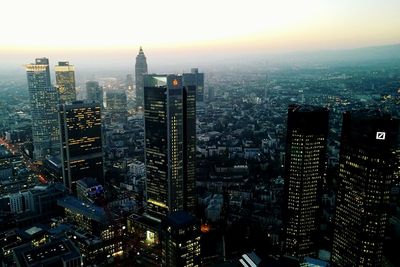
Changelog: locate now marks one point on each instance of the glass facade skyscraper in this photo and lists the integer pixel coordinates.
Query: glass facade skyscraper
(140, 70)
(82, 142)
(366, 169)
(65, 80)
(94, 92)
(305, 165)
(43, 101)
(169, 143)
(199, 79)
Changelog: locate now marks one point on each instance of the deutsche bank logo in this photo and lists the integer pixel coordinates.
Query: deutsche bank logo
(380, 135)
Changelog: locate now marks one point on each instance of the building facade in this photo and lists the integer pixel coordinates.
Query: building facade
(65, 81)
(169, 143)
(199, 80)
(43, 101)
(305, 165)
(82, 142)
(366, 170)
(180, 240)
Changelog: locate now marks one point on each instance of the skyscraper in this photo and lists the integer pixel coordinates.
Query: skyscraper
(43, 101)
(190, 83)
(116, 101)
(140, 70)
(366, 169)
(199, 80)
(307, 130)
(81, 137)
(180, 240)
(169, 143)
(94, 92)
(65, 80)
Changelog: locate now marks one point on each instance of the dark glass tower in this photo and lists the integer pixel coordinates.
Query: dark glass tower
(94, 92)
(65, 80)
(170, 143)
(140, 70)
(81, 136)
(190, 83)
(199, 80)
(366, 169)
(43, 101)
(180, 240)
(307, 130)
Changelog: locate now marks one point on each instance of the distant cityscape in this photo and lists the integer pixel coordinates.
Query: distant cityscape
(282, 165)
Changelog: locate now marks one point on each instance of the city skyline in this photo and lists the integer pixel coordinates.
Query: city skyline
(257, 133)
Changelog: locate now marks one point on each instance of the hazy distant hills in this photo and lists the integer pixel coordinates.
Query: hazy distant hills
(366, 54)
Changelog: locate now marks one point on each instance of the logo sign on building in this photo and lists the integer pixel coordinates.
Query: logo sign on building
(380, 135)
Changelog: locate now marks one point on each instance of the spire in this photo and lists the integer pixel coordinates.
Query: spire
(141, 50)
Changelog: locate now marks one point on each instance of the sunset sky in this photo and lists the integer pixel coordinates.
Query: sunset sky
(88, 28)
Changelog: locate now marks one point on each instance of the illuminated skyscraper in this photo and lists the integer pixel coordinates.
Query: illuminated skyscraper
(170, 141)
(94, 92)
(81, 136)
(43, 101)
(140, 70)
(307, 130)
(366, 169)
(180, 240)
(65, 80)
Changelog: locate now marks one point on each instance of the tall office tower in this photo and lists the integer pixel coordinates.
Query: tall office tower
(43, 101)
(190, 83)
(170, 135)
(307, 130)
(366, 168)
(140, 70)
(180, 240)
(65, 80)
(94, 92)
(199, 78)
(116, 102)
(81, 137)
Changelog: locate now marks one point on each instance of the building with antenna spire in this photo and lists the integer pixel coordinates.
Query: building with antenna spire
(140, 70)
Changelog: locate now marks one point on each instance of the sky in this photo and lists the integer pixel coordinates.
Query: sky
(89, 31)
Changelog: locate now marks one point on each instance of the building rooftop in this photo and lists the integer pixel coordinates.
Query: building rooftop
(88, 182)
(180, 219)
(50, 254)
(86, 209)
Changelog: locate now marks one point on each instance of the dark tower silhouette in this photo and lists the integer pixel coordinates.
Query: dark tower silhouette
(307, 130)
(366, 169)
